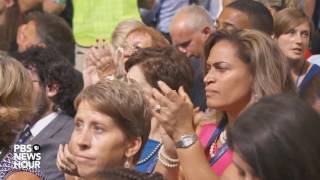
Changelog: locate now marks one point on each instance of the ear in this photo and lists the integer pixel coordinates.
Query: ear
(133, 147)
(206, 31)
(52, 90)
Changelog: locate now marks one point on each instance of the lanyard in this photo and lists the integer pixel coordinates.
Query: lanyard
(214, 137)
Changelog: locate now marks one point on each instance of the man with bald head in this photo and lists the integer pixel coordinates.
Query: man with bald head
(189, 30)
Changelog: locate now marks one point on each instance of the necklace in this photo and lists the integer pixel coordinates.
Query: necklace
(214, 146)
(153, 152)
(300, 72)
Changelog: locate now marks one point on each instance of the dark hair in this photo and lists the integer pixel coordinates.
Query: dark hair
(54, 70)
(125, 103)
(54, 32)
(259, 16)
(127, 174)
(166, 64)
(8, 30)
(278, 137)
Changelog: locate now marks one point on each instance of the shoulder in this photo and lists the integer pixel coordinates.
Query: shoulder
(23, 175)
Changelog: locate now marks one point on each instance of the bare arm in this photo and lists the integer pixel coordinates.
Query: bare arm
(23, 175)
(176, 118)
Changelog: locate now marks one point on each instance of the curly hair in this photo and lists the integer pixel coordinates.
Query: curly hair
(166, 64)
(54, 70)
(15, 99)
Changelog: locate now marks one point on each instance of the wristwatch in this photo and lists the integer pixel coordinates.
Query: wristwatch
(186, 140)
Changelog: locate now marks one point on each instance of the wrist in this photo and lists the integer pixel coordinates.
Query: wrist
(186, 140)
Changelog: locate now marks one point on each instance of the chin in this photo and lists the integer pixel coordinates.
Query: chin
(87, 172)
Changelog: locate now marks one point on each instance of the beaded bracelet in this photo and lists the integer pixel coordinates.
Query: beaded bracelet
(166, 157)
(167, 161)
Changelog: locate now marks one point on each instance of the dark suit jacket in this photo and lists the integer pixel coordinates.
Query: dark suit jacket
(56, 133)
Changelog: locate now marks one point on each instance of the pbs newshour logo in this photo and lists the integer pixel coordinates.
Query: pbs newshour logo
(27, 156)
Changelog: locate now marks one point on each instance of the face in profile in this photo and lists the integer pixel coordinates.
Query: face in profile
(295, 42)
(228, 79)
(27, 36)
(134, 42)
(231, 19)
(97, 142)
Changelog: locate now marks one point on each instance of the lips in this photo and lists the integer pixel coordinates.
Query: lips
(83, 158)
(211, 91)
(297, 50)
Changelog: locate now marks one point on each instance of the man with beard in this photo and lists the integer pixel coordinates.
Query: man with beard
(56, 84)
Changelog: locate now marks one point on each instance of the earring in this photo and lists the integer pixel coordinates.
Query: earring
(127, 164)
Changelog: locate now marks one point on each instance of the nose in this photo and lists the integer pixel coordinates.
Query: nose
(298, 38)
(209, 77)
(182, 49)
(83, 139)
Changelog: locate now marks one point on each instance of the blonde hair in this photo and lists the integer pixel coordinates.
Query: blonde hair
(267, 63)
(16, 90)
(157, 39)
(121, 31)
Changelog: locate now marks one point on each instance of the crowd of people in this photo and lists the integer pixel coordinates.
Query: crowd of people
(160, 89)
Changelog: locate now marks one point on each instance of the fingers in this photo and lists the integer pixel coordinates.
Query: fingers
(161, 99)
(182, 93)
(65, 160)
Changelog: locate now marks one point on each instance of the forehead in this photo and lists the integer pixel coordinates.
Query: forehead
(181, 33)
(234, 17)
(223, 51)
(303, 26)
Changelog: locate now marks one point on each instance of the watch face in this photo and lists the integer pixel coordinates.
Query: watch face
(186, 141)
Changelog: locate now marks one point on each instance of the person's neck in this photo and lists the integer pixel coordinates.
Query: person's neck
(298, 67)
(235, 111)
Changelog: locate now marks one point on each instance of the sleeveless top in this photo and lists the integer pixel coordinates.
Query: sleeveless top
(225, 160)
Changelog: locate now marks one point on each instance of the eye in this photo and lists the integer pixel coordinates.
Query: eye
(98, 129)
(291, 32)
(78, 125)
(305, 34)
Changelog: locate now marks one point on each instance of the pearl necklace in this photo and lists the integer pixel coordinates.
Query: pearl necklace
(153, 152)
(213, 146)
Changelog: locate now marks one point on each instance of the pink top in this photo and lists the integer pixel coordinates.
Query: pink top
(226, 159)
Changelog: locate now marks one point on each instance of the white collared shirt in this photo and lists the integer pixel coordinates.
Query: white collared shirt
(42, 123)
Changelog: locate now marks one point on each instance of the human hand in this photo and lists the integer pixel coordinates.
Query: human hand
(65, 161)
(176, 110)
